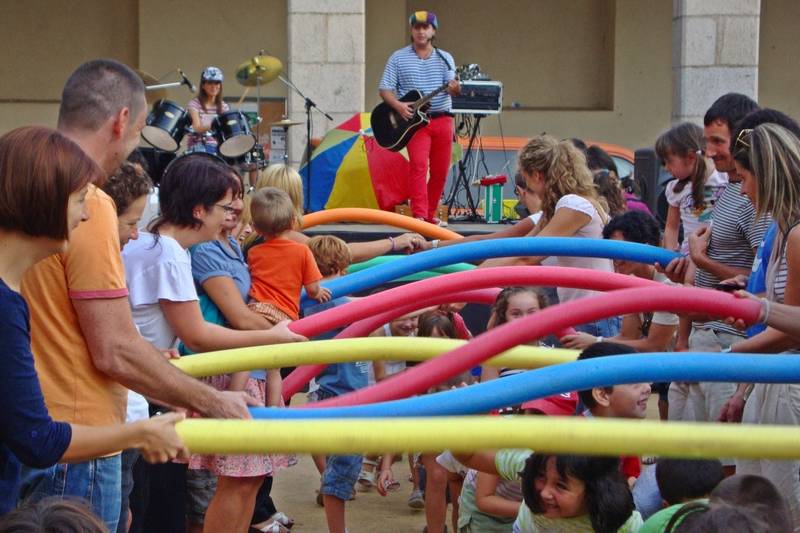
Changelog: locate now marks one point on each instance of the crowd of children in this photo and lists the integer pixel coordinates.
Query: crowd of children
(185, 285)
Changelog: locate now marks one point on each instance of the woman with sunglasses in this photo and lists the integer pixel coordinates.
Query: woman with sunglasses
(197, 195)
(223, 282)
(767, 160)
(203, 109)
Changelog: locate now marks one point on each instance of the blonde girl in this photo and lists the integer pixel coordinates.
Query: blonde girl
(557, 173)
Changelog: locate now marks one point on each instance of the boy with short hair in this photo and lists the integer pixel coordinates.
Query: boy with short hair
(616, 401)
(681, 481)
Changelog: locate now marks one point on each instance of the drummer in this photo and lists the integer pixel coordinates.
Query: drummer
(204, 109)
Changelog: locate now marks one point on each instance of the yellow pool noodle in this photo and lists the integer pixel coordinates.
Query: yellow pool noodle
(576, 435)
(360, 349)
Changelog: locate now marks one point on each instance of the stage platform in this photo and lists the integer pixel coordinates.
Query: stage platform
(356, 232)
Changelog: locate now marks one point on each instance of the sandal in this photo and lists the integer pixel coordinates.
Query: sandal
(282, 519)
(270, 527)
(366, 480)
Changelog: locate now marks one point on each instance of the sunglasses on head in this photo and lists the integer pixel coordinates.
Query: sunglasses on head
(743, 139)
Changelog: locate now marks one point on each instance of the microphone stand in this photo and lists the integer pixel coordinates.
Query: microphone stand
(171, 85)
(309, 104)
(462, 178)
(164, 86)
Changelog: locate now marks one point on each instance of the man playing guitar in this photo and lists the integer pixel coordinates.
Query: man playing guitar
(423, 67)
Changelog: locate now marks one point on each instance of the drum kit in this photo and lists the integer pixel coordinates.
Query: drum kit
(232, 132)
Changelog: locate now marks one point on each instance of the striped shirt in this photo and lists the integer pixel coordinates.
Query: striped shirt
(735, 234)
(777, 271)
(405, 72)
(206, 119)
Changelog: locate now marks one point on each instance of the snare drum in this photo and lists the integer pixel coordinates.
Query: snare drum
(165, 126)
(232, 130)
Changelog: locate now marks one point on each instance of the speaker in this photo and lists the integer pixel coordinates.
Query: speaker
(479, 98)
(651, 179)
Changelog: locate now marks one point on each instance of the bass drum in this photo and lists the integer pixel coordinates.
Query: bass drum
(232, 130)
(157, 161)
(165, 126)
(252, 160)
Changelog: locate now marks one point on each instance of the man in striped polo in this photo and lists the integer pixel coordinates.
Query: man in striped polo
(724, 250)
(423, 67)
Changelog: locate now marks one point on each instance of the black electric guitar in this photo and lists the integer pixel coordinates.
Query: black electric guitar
(392, 131)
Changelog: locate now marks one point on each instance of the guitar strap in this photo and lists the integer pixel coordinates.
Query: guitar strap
(446, 62)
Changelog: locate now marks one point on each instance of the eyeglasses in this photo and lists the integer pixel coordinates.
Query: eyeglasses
(228, 209)
(743, 138)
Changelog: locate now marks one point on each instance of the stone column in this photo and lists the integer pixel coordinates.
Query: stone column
(715, 51)
(326, 62)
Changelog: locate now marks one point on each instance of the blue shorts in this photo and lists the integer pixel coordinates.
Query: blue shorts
(341, 471)
(340, 475)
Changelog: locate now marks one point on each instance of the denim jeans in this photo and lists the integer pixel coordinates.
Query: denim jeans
(97, 481)
(129, 458)
(605, 327)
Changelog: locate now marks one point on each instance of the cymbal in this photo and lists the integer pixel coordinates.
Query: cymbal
(151, 96)
(285, 123)
(259, 70)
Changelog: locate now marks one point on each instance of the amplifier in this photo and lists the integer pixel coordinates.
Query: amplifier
(479, 98)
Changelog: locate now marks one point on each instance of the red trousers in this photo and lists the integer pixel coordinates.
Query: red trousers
(430, 146)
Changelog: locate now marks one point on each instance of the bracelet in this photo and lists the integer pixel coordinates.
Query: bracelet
(391, 240)
(435, 243)
(766, 307)
(599, 339)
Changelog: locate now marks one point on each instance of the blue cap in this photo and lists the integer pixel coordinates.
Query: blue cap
(211, 74)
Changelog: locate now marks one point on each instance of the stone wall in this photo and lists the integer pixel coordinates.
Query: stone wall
(715, 51)
(326, 62)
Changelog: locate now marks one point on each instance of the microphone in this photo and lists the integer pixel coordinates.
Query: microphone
(186, 81)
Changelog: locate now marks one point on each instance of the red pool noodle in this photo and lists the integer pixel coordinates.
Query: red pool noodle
(303, 374)
(459, 281)
(483, 296)
(369, 324)
(580, 278)
(419, 378)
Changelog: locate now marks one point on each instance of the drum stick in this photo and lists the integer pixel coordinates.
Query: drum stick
(244, 95)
